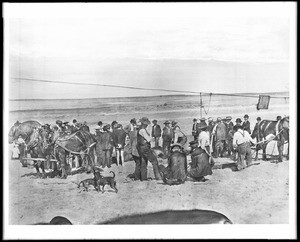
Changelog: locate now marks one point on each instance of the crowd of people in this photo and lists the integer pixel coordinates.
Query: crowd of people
(212, 139)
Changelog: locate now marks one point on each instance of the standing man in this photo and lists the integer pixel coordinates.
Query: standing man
(167, 137)
(99, 150)
(140, 172)
(179, 136)
(241, 142)
(202, 121)
(144, 147)
(195, 129)
(229, 135)
(106, 144)
(203, 140)
(246, 124)
(156, 133)
(119, 137)
(219, 133)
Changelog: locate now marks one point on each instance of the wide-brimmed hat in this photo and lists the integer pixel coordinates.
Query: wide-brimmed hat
(176, 144)
(113, 123)
(154, 121)
(167, 122)
(238, 120)
(174, 122)
(145, 120)
(228, 118)
(202, 119)
(246, 116)
(193, 142)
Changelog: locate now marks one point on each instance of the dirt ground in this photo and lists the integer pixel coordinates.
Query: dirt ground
(257, 195)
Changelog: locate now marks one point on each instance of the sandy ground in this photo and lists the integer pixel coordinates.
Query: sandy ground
(256, 195)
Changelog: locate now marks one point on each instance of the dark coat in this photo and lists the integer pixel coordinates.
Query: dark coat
(220, 131)
(167, 134)
(200, 166)
(246, 126)
(195, 129)
(156, 131)
(106, 140)
(119, 137)
(229, 130)
(177, 166)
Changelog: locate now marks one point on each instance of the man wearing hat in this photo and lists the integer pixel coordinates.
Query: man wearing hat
(195, 129)
(167, 137)
(229, 135)
(99, 149)
(200, 166)
(156, 133)
(202, 121)
(219, 133)
(179, 136)
(241, 142)
(144, 149)
(246, 124)
(119, 137)
(254, 133)
(278, 118)
(203, 139)
(106, 143)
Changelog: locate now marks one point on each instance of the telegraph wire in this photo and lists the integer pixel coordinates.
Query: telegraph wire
(142, 88)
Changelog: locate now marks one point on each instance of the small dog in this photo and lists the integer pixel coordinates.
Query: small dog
(102, 181)
(85, 183)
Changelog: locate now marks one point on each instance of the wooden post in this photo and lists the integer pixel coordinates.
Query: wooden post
(200, 105)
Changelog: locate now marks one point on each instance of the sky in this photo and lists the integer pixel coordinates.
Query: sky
(207, 52)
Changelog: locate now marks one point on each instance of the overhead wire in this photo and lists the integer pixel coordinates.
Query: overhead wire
(143, 88)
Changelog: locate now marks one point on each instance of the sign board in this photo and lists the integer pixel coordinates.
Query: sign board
(263, 102)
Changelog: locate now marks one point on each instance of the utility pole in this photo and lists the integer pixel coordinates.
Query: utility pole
(200, 105)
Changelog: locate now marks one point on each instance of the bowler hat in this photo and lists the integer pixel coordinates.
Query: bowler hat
(154, 121)
(144, 120)
(193, 142)
(258, 118)
(246, 116)
(278, 117)
(74, 121)
(238, 120)
(133, 121)
(167, 122)
(194, 120)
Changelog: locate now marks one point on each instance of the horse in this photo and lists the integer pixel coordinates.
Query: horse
(24, 130)
(79, 143)
(268, 130)
(38, 147)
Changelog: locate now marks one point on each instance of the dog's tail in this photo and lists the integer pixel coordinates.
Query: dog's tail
(78, 184)
(114, 175)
